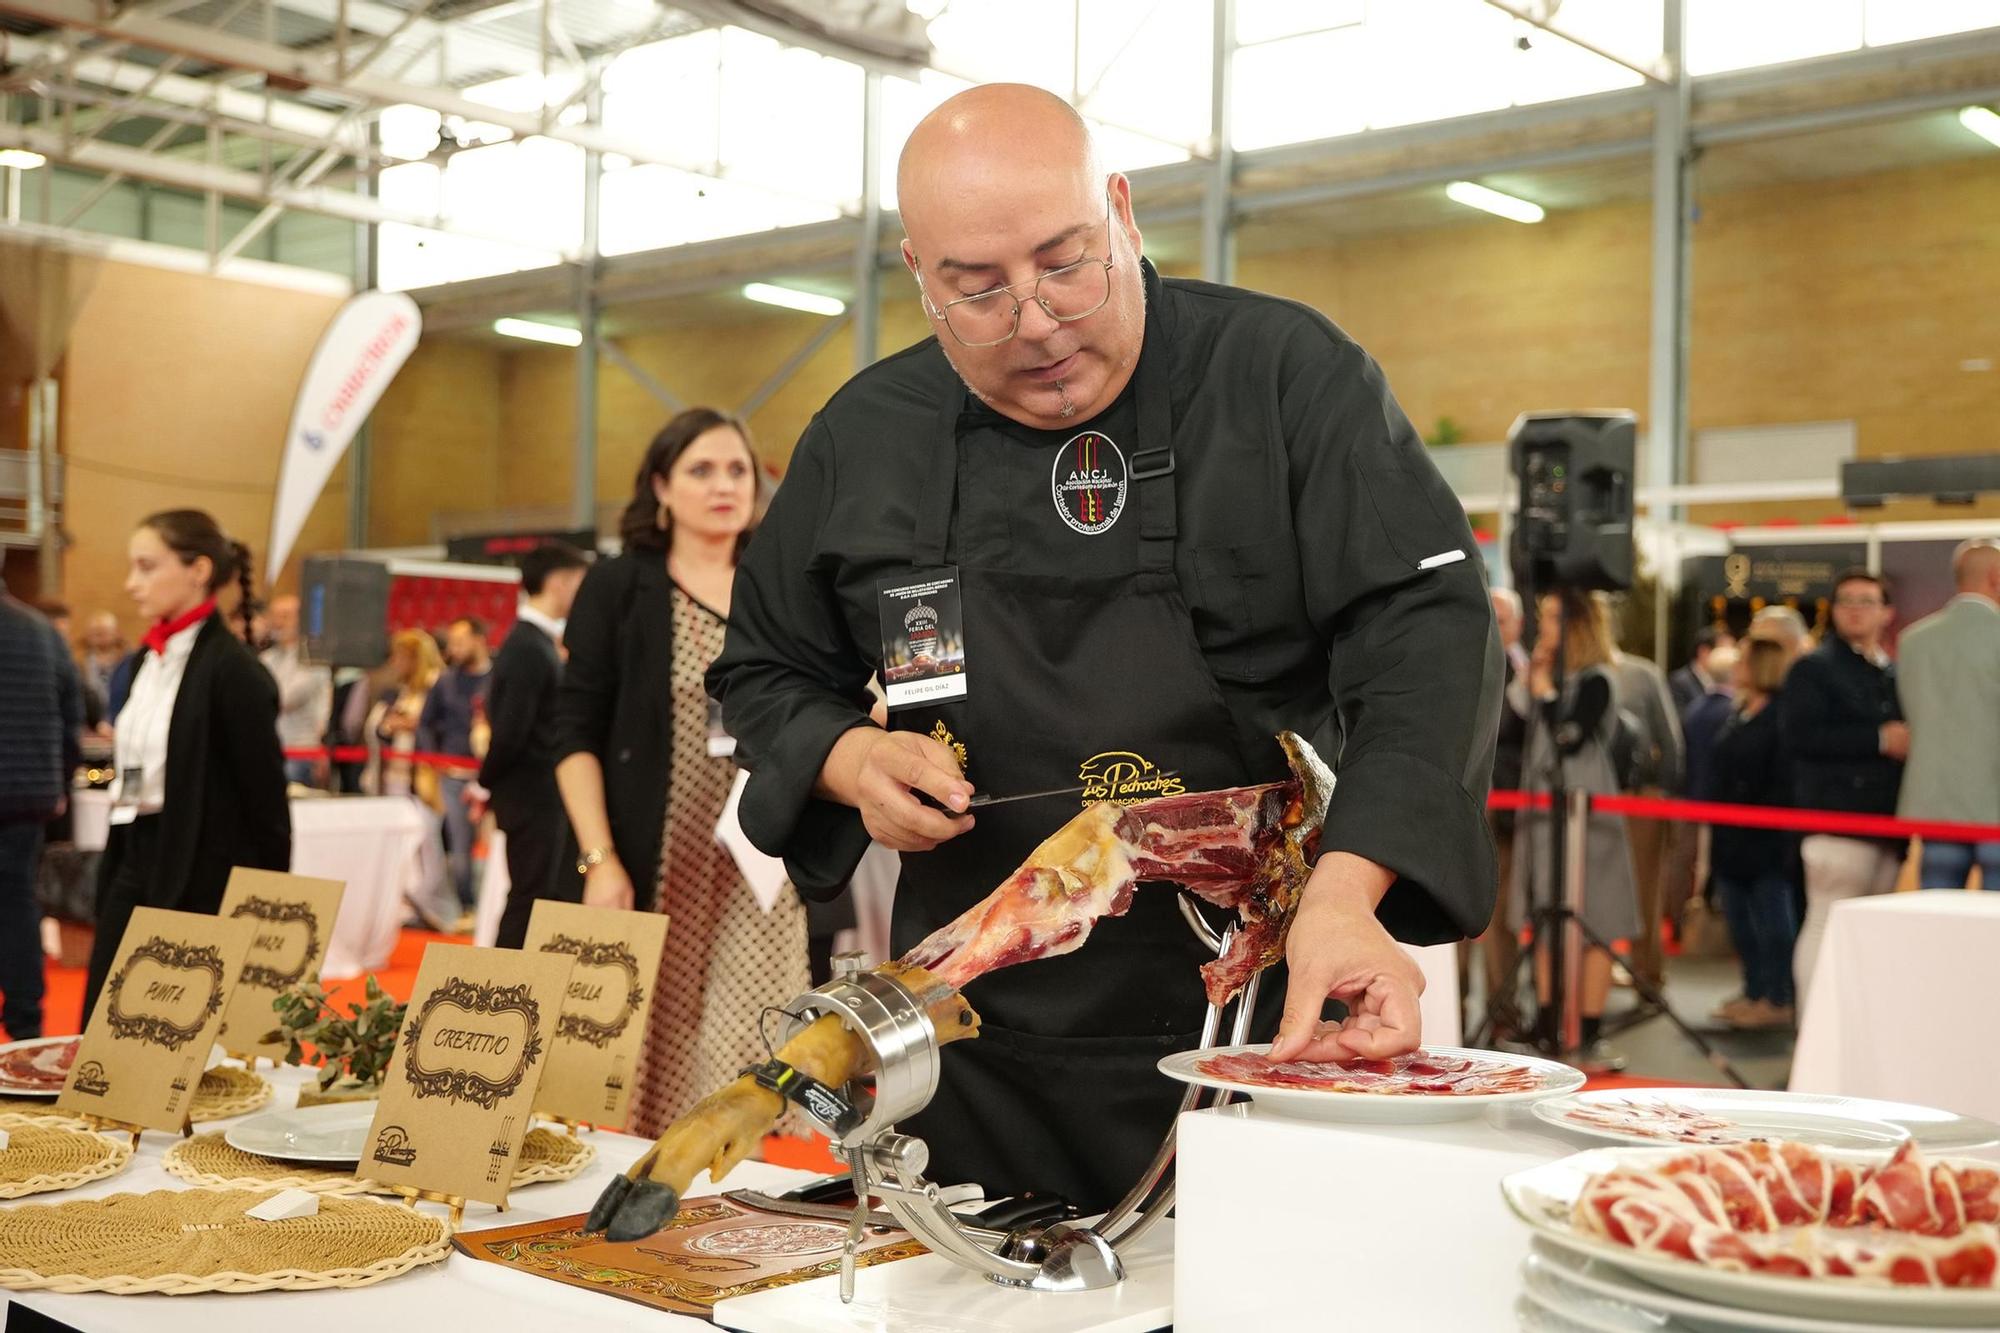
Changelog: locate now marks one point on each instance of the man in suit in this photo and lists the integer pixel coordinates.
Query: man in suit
(1696, 679)
(41, 715)
(519, 770)
(1948, 679)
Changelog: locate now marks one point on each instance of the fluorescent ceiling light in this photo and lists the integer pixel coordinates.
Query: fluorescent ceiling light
(1982, 121)
(22, 160)
(535, 331)
(810, 302)
(1492, 201)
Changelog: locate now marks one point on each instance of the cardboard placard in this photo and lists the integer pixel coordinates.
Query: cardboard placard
(293, 916)
(604, 1007)
(141, 1058)
(473, 1051)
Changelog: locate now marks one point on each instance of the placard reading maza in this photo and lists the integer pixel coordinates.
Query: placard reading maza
(293, 918)
(604, 1013)
(141, 1058)
(472, 1054)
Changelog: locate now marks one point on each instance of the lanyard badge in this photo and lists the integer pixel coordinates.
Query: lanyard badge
(923, 637)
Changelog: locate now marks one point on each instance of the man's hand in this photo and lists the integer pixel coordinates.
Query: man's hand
(1338, 948)
(876, 771)
(1895, 740)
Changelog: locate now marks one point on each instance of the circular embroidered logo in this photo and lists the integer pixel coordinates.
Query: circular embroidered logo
(1088, 482)
(778, 1240)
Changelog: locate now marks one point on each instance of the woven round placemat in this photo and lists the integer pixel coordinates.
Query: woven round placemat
(41, 1106)
(47, 1153)
(225, 1091)
(182, 1242)
(206, 1159)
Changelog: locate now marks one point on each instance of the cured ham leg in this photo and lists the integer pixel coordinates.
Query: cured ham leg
(720, 1130)
(1246, 848)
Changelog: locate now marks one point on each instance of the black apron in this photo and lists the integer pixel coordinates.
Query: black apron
(1059, 1092)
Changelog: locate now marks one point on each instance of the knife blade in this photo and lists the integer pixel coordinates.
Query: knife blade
(982, 799)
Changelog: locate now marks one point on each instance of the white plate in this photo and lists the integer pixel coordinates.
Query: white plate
(8, 1089)
(331, 1135)
(1551, 1268)
(1544, 1196)
(1546, 1304)
(1405, 1108)
(1824, 1122)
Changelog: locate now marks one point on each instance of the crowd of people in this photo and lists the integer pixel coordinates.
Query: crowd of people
(588, 737)
(1777, 719)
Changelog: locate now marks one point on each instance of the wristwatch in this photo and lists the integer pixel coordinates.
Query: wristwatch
(595, 856)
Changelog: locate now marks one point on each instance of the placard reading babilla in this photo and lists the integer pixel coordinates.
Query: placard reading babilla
(604, 1009)
(141, 1058)
(293, 916)
(473, 1050)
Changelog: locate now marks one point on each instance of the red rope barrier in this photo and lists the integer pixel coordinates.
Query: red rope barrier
(1677, 810)
(451, 764)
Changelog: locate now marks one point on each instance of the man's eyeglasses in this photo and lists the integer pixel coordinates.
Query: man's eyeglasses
(1067, 294)
(1870, 603)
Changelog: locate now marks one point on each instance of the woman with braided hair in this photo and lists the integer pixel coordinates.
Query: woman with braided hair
(200, 779)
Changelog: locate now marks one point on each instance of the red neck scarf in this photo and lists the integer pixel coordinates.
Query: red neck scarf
(157, 636)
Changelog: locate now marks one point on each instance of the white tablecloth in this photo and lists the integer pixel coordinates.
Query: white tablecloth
(466, 1294)
(384, 848)
(1902, 1003)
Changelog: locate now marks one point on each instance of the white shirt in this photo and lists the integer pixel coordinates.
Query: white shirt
(143, 726)
(547, 624)
(305, 697)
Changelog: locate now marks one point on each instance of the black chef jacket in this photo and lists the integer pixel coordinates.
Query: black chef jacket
(1330, 573)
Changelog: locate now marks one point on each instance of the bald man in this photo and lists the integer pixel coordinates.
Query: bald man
(1948, 678)
(1110, 531)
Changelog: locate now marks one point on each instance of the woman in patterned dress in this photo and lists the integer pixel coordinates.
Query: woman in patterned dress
(639, 775)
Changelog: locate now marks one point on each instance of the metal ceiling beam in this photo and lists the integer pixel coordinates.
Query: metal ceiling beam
(322, 71)
(128, 76)
(202, 178)
(470, 47)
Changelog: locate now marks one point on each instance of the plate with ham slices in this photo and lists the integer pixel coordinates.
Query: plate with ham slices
(1433, 1083)
(37, 1067)
(1784, 1227)
(1710, 1116)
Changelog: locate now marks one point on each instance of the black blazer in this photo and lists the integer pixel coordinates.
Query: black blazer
(1831, 712)
(616, 701)
(225, 804)
(520, 764)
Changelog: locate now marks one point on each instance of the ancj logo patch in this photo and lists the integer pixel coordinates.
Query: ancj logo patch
(1089, 482)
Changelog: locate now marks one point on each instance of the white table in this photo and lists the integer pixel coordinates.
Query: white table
(463, 1293)
(384, 848)
(1902, 1002)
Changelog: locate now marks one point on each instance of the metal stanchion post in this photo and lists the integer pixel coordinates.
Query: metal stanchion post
(1575, 854)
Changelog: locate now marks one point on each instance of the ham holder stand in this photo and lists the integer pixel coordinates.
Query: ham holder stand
(903, 1049)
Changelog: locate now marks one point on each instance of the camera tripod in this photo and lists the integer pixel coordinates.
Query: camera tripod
(1555, 919)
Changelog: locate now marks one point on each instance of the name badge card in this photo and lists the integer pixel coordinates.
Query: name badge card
(923, 638)
(604, 1009)
(473, 1050)
(292, 917)
(149, 1038)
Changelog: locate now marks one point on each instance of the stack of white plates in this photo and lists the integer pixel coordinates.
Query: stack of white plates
(1573, 1280)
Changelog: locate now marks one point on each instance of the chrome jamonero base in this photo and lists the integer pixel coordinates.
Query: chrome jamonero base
(903, 1046)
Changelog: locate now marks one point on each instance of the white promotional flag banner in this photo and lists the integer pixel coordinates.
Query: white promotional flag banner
(357, 356)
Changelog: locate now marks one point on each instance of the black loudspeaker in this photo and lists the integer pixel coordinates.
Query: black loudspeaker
(1574, 525)
(344, 611)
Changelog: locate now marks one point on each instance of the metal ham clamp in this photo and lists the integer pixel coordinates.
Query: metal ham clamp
(903, 1053)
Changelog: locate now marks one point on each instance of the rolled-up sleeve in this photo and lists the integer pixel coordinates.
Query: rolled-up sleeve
(1397, 588)
(791, 680)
